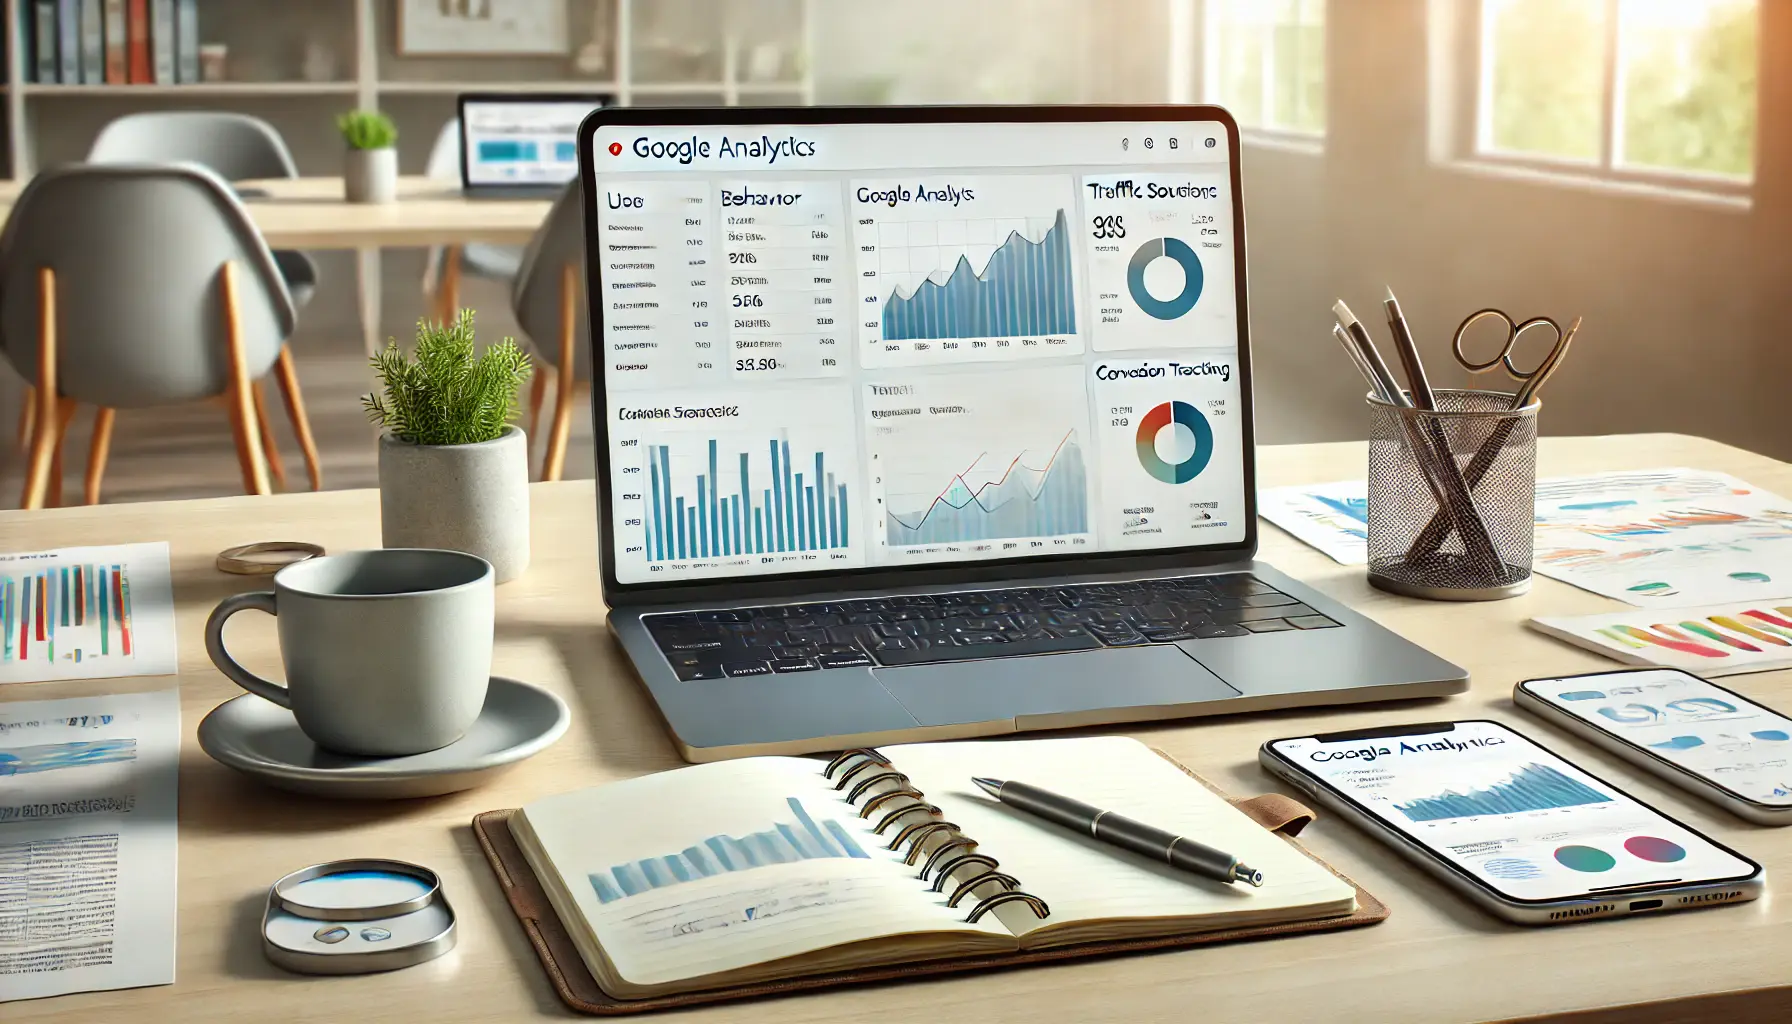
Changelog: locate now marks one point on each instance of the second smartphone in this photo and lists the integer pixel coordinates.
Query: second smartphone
(1697, 735)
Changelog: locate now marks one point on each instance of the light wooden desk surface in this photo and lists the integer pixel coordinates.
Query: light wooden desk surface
(310, 213)
(1437, 959)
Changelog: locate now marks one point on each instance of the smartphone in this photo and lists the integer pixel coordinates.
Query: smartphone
(1701, 737)
(1510, 825)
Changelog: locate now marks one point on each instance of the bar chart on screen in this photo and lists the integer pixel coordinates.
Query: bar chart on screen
(80, 613)
(761, 482)
(965, 268)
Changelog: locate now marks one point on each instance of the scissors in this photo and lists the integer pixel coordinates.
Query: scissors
(1530, 381)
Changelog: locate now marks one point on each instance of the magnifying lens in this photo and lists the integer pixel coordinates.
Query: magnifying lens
(356, 917)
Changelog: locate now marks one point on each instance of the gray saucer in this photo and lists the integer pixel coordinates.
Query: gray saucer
(263, 741)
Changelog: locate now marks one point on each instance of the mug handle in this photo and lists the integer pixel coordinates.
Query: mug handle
(214, 646)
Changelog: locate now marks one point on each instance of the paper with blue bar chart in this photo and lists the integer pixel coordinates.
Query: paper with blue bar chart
(86, 613)
(88, 872)
(728, 865)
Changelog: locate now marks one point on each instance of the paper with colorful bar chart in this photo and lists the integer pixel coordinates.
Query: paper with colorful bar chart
(1668, 537)
(86, 613)
(1713, 640)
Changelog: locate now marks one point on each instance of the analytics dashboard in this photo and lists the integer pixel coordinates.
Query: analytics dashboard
(880, 345)
(522, 140)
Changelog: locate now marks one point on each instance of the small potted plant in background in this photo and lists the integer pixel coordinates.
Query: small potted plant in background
(370, 173)
(454, 471)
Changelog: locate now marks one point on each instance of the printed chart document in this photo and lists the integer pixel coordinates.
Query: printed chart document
(1713, 640)
(1654, 537)
(86, 613)
(87, 843)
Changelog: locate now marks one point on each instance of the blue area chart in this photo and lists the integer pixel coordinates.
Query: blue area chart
(1026, 289)
(1535, 787)
(1193, 278)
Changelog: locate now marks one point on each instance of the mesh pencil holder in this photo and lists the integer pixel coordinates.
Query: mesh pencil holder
(1425, 540)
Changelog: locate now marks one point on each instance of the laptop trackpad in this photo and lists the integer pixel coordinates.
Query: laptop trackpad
(1118, 677)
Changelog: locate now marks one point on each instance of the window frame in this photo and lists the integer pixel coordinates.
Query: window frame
(1193, 63)
(1474, 56)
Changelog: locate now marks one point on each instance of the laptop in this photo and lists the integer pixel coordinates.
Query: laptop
(923, 423)
(521, 145)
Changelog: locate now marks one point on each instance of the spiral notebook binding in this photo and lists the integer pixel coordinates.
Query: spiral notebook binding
(863, 769)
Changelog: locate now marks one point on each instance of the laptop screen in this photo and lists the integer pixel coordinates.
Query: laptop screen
(876, 346)
(521, 140)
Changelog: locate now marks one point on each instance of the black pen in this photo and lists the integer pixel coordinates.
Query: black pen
(1105, 826)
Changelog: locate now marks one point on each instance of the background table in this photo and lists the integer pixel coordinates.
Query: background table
(1437, 958)
(310, 213)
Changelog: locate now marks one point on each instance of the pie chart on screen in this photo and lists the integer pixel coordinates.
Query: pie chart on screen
(1649, 848)
(1174, 442)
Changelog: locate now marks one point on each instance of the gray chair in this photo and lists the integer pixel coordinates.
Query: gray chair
(448, 264)
(137, 285)
(236, 147)
(548, 299)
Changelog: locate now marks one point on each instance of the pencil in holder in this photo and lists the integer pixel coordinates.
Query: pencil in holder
(1415, 513)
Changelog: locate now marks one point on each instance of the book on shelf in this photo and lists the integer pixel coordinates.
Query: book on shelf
(68, 42)
(117, 42)
(772, 869)
(137, 57)
(186, 41)
(162, 41)
(93, 42)
(43, 41)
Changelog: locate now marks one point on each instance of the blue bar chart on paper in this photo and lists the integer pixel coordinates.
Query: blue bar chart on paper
(796, 502)
(782, 843)
(1535, 787)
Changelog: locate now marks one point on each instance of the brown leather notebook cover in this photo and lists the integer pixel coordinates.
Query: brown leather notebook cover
(578, 989)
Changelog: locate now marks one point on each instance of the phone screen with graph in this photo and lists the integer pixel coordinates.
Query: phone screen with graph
(1718, 735)
(1509, 814)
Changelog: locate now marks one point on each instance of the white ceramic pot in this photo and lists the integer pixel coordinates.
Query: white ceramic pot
(459, 497)
(370, 175)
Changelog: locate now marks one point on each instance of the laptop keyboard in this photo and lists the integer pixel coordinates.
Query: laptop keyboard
(917, 629)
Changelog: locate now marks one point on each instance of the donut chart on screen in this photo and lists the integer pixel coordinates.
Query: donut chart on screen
(1192, 278)
(1193, 435)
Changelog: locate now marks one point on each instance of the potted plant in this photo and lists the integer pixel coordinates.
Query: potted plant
(370, 173)
(454, 471)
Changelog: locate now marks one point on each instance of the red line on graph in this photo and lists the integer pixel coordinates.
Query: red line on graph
(124, 625)
(959, 477)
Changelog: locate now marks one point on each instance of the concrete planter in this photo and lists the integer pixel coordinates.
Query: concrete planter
(461, 497)
(370, 175)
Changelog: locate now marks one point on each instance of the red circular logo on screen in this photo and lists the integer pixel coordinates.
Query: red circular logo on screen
(615, 149)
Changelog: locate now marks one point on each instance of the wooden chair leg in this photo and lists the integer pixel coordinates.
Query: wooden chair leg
(269, 446)
(65, 415)
(538, 394)
(27, 415)
(448, 291)
(288, 379)
(555, 460)
(98, 451)
(242, 405)
(43, 438)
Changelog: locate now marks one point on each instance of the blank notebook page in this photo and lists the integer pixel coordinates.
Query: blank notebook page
(1084, 880)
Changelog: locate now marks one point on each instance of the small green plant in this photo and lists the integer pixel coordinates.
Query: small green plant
(367, 129)
(444, 393)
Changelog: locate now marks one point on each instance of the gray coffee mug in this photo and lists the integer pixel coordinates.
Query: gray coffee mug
(387, 652)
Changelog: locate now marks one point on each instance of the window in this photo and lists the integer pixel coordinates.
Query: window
(1264, 60)
(1639, 89)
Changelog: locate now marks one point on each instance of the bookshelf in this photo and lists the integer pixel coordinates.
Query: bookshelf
(298, 64)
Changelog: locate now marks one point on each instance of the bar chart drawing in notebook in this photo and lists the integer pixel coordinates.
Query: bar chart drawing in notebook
(782, 843)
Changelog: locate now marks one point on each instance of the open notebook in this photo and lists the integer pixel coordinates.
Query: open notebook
(755, 870)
